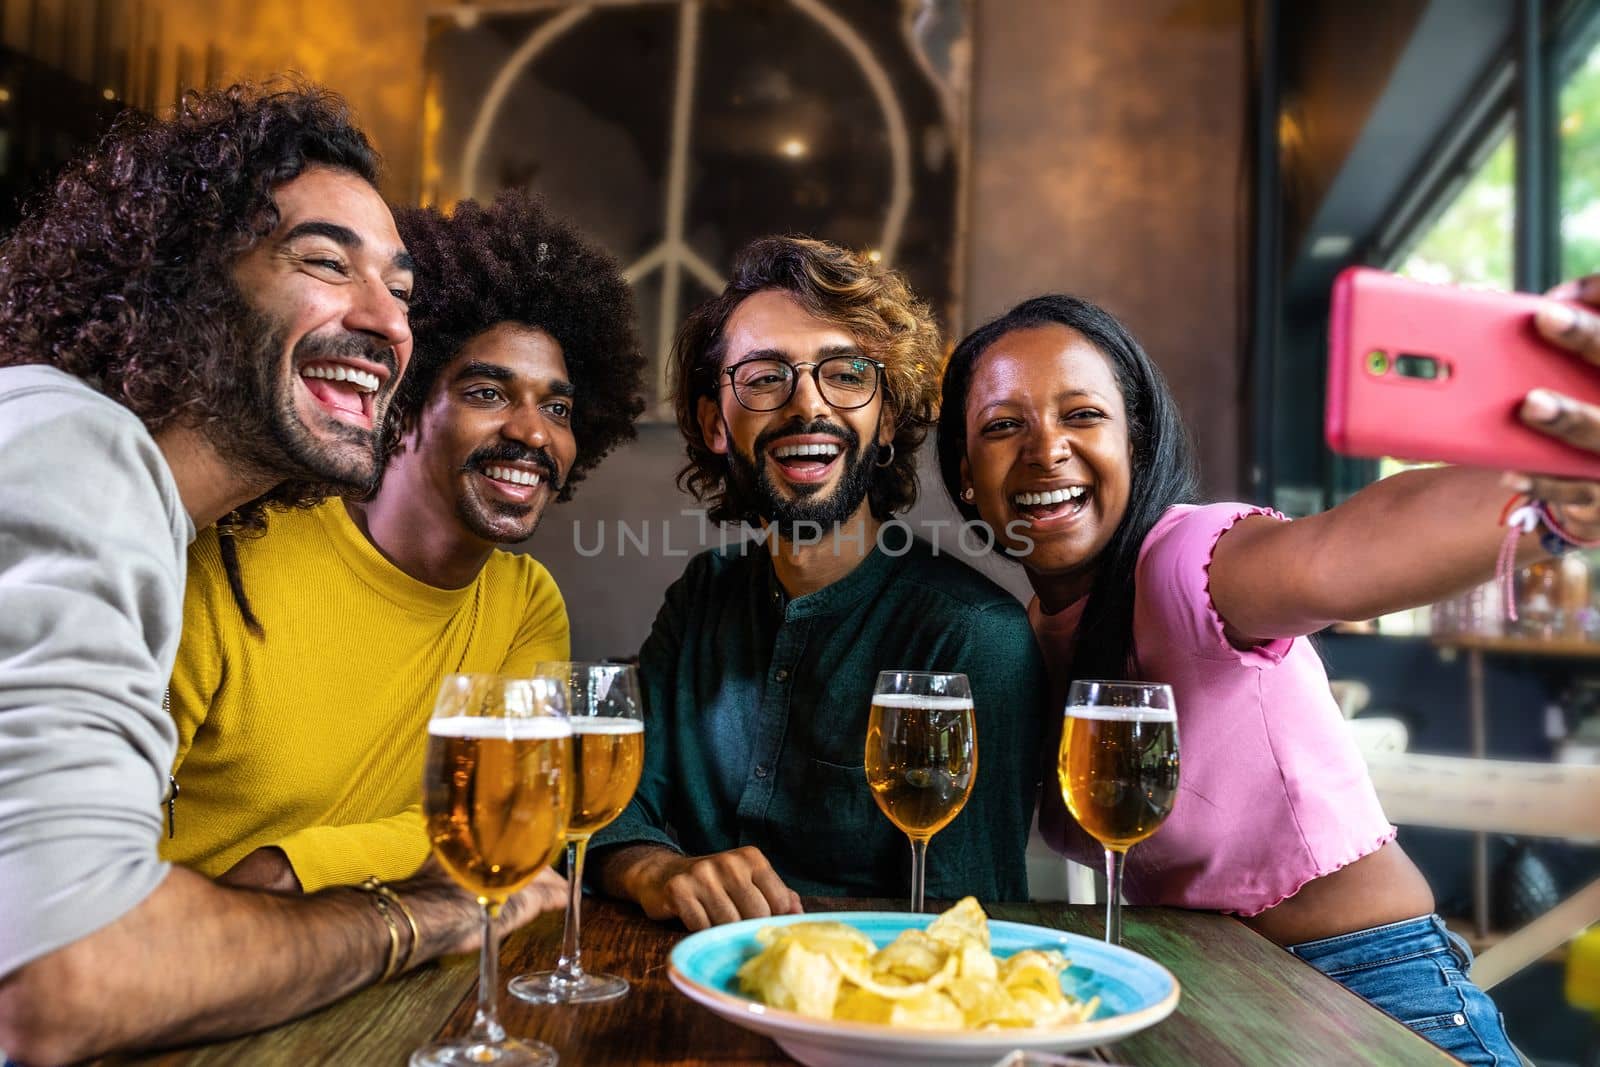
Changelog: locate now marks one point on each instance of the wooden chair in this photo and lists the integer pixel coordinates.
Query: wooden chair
(1503, 797)
(1485, 796)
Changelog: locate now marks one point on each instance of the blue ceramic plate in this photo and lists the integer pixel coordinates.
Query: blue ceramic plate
(1134, 993)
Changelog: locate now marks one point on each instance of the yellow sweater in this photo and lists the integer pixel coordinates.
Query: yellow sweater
(311, 737)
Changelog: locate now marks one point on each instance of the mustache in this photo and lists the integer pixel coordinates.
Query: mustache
(511, 452)
(347, 346)
(814, 427)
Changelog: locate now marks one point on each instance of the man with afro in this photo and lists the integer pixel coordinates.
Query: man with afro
(310, 660)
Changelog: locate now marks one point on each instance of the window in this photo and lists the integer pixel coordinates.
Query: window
(1579, 153)
(839, 120)
(1470, 241)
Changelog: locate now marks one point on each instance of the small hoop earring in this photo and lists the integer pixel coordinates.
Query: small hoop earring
(967, 495)
(888, 461)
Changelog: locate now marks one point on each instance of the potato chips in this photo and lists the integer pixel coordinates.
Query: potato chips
(941, 978)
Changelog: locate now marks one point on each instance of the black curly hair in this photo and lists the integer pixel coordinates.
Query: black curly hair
(512, 261)
(120, 272)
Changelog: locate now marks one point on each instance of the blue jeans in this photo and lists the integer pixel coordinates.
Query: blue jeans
(1416, 971)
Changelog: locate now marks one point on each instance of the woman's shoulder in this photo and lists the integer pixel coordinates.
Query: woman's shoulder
(1174, 580)
(1188, 533)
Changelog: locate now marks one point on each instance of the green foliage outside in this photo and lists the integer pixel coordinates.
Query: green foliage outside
(1470, 243)
(1580, 169)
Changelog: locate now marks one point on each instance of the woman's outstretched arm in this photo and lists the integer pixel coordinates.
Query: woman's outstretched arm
(1414, 538)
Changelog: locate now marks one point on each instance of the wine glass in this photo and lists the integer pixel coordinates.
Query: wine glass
(1118, 766)
(922, 756)
(496, 794)
(607, 718)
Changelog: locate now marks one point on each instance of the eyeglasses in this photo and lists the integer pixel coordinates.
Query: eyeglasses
(765, 384)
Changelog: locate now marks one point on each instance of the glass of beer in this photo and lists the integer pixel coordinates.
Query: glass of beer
(1119, 770)
(607, 718)
(495, 793)
(922, 756)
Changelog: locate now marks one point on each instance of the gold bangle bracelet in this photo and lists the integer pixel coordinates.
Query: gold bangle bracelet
(381, 902)
(376, 885)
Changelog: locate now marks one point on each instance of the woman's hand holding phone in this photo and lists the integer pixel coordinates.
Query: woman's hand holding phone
(1460, 375)
(1577, 503)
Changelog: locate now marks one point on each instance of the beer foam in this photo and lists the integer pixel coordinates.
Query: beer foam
(1106, 713)
(927, 703)
(605, 724)
(544, 728)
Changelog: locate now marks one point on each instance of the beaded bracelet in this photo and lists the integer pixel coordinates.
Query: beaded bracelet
(1555, 538)
(1521, 515)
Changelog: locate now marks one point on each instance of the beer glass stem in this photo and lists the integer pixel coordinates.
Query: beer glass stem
(919, 868)
(1114, 861)
(569, 968)
(486, 1028)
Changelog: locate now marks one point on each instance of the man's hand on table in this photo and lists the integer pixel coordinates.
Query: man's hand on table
(1577, 503)
(462, 931)
(700, 891)
(547, 892)
(269, 869)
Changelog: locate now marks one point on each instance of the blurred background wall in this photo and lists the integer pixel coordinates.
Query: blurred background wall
(141, 53)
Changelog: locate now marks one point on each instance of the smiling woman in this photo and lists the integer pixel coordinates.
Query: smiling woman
(1058, 428)
(1072, 510)
(1145, 426)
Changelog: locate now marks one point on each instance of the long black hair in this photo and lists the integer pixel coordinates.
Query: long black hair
(1163, 471)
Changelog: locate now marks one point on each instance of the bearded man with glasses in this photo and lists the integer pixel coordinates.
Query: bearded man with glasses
(803, 392)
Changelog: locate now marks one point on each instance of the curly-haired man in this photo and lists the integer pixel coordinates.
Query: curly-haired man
(344, 618)
(204, 314)
(803, 392)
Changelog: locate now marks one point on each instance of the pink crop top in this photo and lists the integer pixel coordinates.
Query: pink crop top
(1272, 792)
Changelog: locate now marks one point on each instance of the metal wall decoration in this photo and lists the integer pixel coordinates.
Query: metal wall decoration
(674, 131)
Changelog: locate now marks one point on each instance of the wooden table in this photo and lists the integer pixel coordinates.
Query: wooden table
(1244, 1001)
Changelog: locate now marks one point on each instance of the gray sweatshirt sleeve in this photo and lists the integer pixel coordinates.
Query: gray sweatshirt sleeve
(92, 556)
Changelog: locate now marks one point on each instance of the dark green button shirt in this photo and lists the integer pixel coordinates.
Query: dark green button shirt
(756, 721)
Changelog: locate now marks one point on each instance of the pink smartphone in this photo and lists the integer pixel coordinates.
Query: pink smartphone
(1435, 372)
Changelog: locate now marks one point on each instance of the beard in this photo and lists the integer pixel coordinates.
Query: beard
(253, 420)
(753, 480)
(501, 521)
